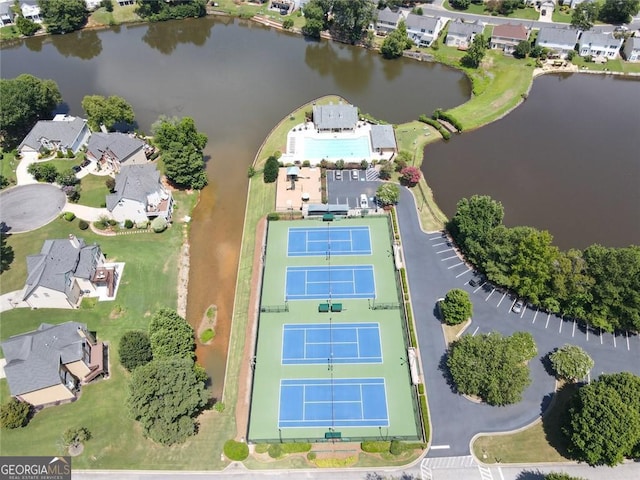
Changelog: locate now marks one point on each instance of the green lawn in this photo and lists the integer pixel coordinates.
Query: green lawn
(242, 9)
(527, 13)
(124, 14)
(9, 32)
(8, 166)
(94, 191)
(561, 16)
(617, 65)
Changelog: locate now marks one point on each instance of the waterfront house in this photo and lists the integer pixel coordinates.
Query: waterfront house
(64, 271)
(422, 30)
(599, 45)
(47, 366)
(139, 195)
(507, 37)
(7, 16)
(335, 118)
(559, 41)
(63, 133)
(383, 139)
(632, 49)
(113, 150)
(387, 21)
(461, 34)
(30, 10)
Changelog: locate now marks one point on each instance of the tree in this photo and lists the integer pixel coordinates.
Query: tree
(14, 414)
(456, 307)
(134, 349)
(63, 16)
(155, 11)
(107, 111)
(475, 54)
(571, 362)
(72, 437)
(6, 251)
(110, 183)
(522, 49)
(271, 167)
(184, 166)
(410, 176)
(164, 396)
(604, 420)
(67, 178)
(491, 366)
(619, 11)
(388, 194)
(584, 15)
(287, 24)
(23, 101)
(43, 172)
(26, 26)
(314, 19)
(385, 171)
(351, 18)
(460, 4)
(171, 336)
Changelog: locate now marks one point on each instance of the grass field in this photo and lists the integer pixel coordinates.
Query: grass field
(526, 13)
(8, 166)
(561, 16)
(94, 191)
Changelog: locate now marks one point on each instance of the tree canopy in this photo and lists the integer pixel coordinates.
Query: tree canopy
(475, 53)
(571, 362)
(271, 168)
(456, 307)
(26, 26)
(156, 11)
(347, 19)
(6, 251)
(63, 16)
(23, 101)
(491, 366)
(410, 176)
(604, 420)
(171, 336)
(388, 194)
(396, 42)
(165, 395)
(619, 11)
(134, 349)
(107, 111)
(584, 15)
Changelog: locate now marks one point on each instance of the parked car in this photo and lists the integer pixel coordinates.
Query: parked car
(517, 306)
(477, 280)
(364, 202)
(355, 175)
(76, 168)
(338, 174)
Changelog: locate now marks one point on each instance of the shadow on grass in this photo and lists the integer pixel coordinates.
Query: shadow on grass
(556, 417)
(530, 475)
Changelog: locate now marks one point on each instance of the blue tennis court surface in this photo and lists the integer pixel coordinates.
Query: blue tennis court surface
(341, 342)
(321, 241)
(341, 402)
(322, 283)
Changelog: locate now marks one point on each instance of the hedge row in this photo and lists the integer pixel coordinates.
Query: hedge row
(424, 410)
(375, 447)
(237, 451)
(448, 118)
(412, 333)
(446, 134)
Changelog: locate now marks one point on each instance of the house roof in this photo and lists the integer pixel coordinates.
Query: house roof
(326, 117)
(34, 358)
(464, 29)
(63, 129)
(387, 15)
(420, 22)
(511, 31)
(57, 262)
(5, 8)
(118, 145)
(634, 43)
(135, 182)
(557, 36)
(382, 136)
(595, 38)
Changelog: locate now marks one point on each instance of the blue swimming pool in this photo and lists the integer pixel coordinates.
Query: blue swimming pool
(337, 148)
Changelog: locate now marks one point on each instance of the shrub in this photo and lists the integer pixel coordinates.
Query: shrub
(69, 216)
(296, 447)
(456, 307)
(311, 456)
(421, 388)
(424, 409)
(59, 154)
(396, 447)
(159, 225)
(270, 173)
(262, 447)
(287, 24)
(375, 447)
(273, 216)
(110, 183)
(251, 171)
(277, 154)
(83, 225)
(410, 176)
(107, 4)
(364, 164)
(75, 436)
(219, 407)
(275, 450)
(142, 225)
(134, 349)
(340, 164)
(237, 451)
(128, 223)
(306, 163)
(14, 414)
(112, 222)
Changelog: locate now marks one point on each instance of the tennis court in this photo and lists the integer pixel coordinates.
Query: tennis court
(316, 343)
(322, 241)
(330, 282)
(340, 402)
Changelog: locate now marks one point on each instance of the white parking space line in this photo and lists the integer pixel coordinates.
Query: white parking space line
(503, 295)
(456, 265)
(438, 244)
(614, 341)
(500, 472)
(587, 333)
(489, 294)
(524, 309)
(485, 473)
(560, 329)
(473, 335)
(478, 288)
(628, 348)
(440, 447)
(439, 237)
(460, 274)
(548, 317)
(573, 332)
(448, 258)
(600, 336)
(445, 250)
(535, 315)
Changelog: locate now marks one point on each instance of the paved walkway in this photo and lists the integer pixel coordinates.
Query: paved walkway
(90, 214)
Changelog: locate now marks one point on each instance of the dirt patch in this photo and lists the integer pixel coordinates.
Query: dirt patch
(116, 313)
(183, 273)
(75, 450)
(209, 319)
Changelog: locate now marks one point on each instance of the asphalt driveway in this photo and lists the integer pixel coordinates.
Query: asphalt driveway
(433, 268)
(28, 207)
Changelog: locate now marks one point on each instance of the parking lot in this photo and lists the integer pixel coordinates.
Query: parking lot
(347, 186)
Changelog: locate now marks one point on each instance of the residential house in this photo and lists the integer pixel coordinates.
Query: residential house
(64, 271)
(507, 37)
(92, 4)
(461, 34)
(599, 45)
(124, 3)
(113, 150)
(574, 3)
(383, 139)
(7, 17)
(560, 41)
(30, 10)
(63, 133)
(48, 365)
(424, 30)
(632, 49)
(139, 195)
(335, 117)
(387, 21)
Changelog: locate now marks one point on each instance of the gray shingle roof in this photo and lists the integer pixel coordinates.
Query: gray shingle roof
(634, 43)
(600, 39)
(464, 29)
(420, 22)
(557, 36)
(57, 262)
(135, 182)
(327, 117)
(387, 16)
(64, 132)
(382, 136)
(34, 358)
(117, 145)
